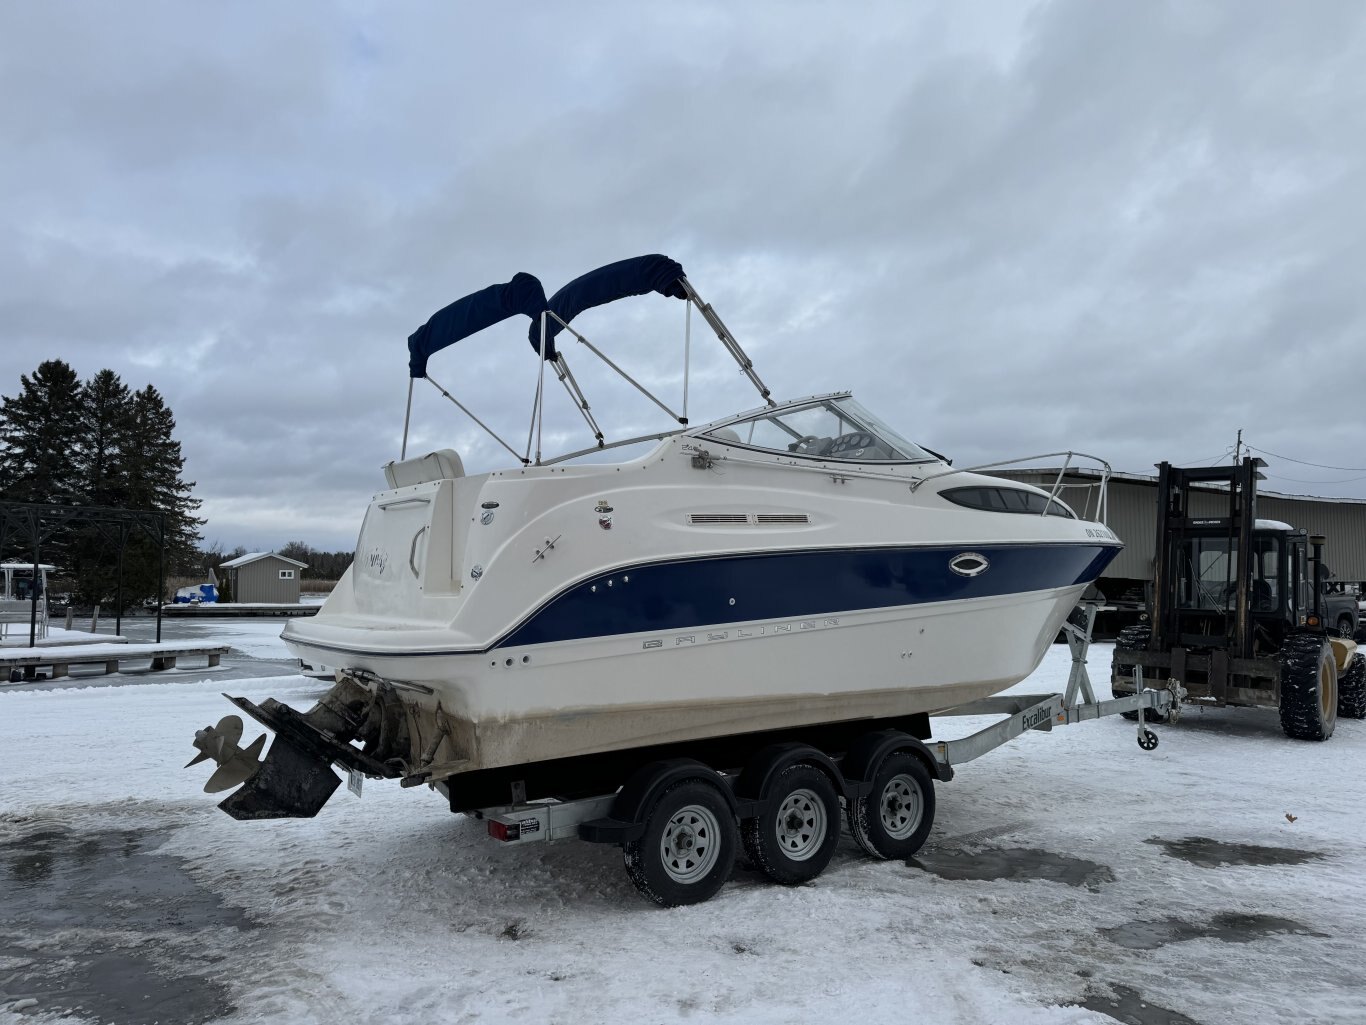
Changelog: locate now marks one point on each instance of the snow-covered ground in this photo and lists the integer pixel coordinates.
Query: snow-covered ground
(124, 891)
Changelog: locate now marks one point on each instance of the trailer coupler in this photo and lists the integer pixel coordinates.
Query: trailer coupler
(295, 779)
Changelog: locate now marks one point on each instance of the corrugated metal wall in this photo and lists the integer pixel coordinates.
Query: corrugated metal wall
(1133, 516)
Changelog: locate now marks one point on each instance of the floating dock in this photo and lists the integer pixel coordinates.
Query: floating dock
(57, 638)
(19, 665)
(238, 610)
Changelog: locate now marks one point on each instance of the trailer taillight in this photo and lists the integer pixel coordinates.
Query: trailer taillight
(503, 831)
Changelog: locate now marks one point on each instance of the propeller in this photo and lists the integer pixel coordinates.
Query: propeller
(235, 764)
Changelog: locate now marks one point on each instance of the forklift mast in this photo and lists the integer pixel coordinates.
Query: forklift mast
(1176, 524)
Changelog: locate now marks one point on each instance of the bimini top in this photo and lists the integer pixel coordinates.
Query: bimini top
(523, 294)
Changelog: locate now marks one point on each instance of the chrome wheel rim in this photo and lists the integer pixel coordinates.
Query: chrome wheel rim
(901, 807)
(689, 847)
(801, 825)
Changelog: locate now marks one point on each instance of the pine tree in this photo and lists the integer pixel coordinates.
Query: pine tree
(99, 445)
(154, 465)
(40, 436)
(106, 429)
(106, 443)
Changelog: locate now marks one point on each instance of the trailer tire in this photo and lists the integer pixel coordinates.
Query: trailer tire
(1352, 689)
(794, 838)
(687, 851)
(893, 819)
(1309, 687)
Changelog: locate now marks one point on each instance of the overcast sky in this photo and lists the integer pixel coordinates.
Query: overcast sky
(1124, 228)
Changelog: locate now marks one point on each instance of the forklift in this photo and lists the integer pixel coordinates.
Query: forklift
(1236, 613)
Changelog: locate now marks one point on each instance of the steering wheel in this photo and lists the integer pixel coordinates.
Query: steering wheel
(855, 442)
(807, 445)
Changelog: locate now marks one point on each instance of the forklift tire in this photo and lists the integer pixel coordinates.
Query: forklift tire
(1352, 689)
(1309, 687)
(1133, 637)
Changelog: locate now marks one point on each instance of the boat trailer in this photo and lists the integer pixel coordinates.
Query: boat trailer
(678, 820)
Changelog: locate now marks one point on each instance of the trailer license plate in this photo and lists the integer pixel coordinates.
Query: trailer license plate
(354, 780)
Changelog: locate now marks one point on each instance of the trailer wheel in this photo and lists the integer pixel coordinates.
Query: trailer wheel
(688, 848)
(893, 819)
(793, 841)
(1309, 687)
(1134, 638)
(1352, 689)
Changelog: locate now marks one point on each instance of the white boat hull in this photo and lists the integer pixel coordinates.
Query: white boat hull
(516, 705)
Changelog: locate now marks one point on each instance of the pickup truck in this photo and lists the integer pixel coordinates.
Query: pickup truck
(1341, 611)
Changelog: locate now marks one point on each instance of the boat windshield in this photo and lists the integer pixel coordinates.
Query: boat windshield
(836, 428)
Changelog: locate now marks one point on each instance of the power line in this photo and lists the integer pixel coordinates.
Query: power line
(1208, 460)
(1317, 466)
(1297, 480)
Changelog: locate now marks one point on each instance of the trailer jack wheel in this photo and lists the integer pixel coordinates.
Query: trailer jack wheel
(1147, 740)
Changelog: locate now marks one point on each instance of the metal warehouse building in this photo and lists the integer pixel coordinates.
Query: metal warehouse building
(1132, 501)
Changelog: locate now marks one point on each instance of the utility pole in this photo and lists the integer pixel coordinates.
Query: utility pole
(1238, 447)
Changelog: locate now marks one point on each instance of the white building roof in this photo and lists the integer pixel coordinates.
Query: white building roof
(242, 560)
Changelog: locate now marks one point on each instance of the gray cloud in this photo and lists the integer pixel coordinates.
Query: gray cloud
(1126, 229)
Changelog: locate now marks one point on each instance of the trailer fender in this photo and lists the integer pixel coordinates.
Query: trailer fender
(636, 799)
(866, 754)
(756, 781)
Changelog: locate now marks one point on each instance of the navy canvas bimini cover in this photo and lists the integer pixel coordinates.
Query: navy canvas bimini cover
(636, 276)
(473, 313)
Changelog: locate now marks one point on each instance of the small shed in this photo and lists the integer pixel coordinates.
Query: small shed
(263, 577)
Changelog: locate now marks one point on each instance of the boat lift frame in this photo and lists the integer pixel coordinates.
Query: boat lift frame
(584, 818)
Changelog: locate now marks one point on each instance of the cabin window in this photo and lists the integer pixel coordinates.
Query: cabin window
(286, 574)
(1011, 500)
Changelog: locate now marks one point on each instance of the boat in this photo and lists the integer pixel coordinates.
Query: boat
(532, 629)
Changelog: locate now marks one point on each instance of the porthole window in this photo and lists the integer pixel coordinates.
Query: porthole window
(1011, 500)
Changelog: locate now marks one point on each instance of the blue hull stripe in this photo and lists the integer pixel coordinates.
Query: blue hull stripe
(716, 590)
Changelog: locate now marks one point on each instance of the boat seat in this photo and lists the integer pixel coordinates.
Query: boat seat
(443, 464)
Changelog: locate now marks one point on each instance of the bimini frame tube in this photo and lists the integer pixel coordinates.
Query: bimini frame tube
(687, 355)
(407, 415)
(533, 430)
(487, 430)
(627, 377)
(576, 395)
(727, 339)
